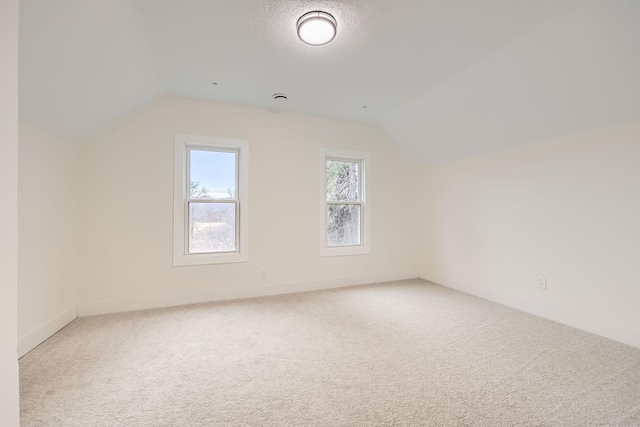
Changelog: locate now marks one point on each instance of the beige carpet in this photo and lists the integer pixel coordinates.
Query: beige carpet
(396, 354)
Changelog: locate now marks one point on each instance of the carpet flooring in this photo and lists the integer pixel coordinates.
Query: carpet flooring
(405, 353)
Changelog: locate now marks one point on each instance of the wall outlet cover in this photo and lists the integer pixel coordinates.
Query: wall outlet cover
(542, 283)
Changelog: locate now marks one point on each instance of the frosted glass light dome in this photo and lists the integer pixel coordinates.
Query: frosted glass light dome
(317, 28)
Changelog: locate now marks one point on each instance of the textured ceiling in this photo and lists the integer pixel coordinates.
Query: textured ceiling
(446, 79)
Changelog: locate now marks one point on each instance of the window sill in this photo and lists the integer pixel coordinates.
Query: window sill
(345, 251)
(207, 259)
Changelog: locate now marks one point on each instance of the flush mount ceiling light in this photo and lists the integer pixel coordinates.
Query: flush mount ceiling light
(317, 28)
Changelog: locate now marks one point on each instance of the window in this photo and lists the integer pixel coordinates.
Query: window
(345, 203)
(210, 200)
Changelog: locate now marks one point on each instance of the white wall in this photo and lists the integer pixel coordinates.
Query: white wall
(576, 70)
(48, 251)
(567, 209)
(8, 212)
(125, 208)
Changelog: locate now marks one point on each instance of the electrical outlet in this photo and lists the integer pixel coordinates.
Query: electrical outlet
(542, 283)
(263, 274)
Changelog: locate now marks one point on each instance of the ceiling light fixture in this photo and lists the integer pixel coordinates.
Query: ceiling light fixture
(317, 28)
(279, 96)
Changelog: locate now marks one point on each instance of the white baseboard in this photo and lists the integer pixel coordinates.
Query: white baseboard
(117, 306)
(581, 321)
(46, 330)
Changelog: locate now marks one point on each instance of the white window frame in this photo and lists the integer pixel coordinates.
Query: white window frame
(182, 144)
(365, 218)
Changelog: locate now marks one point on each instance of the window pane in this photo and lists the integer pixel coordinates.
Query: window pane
(343, 225)
(342, 181)
(212, 175)
(212, 227)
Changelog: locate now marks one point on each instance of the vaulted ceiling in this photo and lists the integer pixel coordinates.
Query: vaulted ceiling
(445, 79)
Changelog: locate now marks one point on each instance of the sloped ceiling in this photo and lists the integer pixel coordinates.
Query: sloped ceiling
(446, 79)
